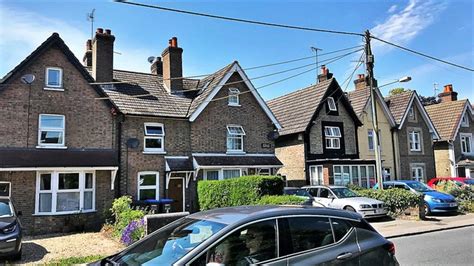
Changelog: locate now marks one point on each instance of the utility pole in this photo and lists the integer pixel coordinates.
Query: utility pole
(369, 63)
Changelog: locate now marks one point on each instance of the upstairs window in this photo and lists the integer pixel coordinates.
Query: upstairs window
(333, 137)
(465, 120)
(466, 140)
(51, 130)
(235, 138)
(371, 140)
(154, 137)
(415, 140)
(332, 104)
(54, 77)
(234, 97)
(411, 114)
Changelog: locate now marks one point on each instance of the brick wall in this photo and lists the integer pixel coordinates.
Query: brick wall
(443, 164)
(290, 151)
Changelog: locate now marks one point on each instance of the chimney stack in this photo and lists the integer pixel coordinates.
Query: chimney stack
(362, 82)
(325, 74)
(448, 95)
(87, 59)
(157, 66)
(103, 55)
(173, 66)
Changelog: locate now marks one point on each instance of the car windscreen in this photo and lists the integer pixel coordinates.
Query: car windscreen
(164, 247)
(420, 187)
(344, 193)
(5, 209)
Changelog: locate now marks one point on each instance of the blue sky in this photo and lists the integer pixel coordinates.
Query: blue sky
(442, 29)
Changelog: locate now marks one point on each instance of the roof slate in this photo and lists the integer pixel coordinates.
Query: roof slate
(398, 104)
(237, 160)
(359, 99)
(294, 110)
(446, 117)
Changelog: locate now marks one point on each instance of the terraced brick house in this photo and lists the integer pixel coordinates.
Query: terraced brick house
(454, 120)
(58, 145)
(360, 100)
(318, 139)
(175, 131)
(412, 138)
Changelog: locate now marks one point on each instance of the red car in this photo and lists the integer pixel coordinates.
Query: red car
(461, 181)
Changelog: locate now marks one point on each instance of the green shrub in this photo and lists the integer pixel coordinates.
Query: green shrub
(245, 190)
(280, 200)
(124, 214)
(355, 187)
(464, 194)
(396, 200)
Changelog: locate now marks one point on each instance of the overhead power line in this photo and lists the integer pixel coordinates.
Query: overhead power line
(293, 27)
(238, 19)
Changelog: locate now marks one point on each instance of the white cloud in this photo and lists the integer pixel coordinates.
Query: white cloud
(403, 26)
(23, 31)
(392, 9)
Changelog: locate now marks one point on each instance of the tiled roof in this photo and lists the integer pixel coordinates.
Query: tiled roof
(237, 160)
(359, 99)
(398, 104)
(446, 117)
(295, 110)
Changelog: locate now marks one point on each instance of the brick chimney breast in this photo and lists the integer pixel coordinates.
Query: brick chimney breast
(360, 82)
(103, 55)
(173, 66)
(87, 59)
(448, 94)
(325, 74)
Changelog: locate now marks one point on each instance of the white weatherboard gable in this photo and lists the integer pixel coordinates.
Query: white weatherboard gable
(236, 68)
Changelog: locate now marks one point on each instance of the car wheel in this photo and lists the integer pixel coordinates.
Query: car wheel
(17, 256)
(349, 208)
(427, 209)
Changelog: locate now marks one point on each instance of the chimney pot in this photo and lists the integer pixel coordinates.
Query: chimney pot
(100, 30)
(174, 42)
(89, 45)
(108, 31)
(448, 88)
(361, 76)
(448, 94)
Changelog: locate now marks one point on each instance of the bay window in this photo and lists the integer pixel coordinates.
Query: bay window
(65, 192)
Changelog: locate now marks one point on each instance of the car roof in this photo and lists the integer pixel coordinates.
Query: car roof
(243, 214)
(323, 186)
(400, 181)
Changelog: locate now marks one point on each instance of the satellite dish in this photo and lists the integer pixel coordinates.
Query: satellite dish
(133, 143)
(273, 135)
(28, 78)
(151, 59)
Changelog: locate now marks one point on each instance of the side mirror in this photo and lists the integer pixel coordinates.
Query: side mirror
(19, 213)
(331, 196)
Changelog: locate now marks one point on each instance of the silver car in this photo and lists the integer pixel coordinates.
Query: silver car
(268, 235)
(340, 197)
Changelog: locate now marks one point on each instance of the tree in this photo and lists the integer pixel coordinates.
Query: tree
(396, 91)
(429, 100)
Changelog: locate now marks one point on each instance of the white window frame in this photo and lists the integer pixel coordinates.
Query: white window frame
(62, 130)
(238, 137)
(411, 113)
(233, 99)
(148, 135)
(316, 175)
(331, 104)
(156, 186)
(333, 134)
(465, 120)
(54, 87)
(464, 148)
(213, 170)
(54, 191)
(412, 140)
(231, 169)
(416, 177)
(371, 139)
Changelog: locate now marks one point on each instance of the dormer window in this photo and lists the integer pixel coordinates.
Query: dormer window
(332, 104)
(154, 138)
(465, 120)
(235, 138)
(54, 78)
(234, 97)
(333, 137)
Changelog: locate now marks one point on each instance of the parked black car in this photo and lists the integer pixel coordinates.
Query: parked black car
(270, 235)
(10, 231)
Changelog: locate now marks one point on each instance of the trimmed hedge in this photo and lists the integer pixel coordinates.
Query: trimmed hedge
(245, 190)
(281, 200)
(396, 200)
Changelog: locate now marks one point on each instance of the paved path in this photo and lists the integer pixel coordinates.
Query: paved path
(450, 247)
(397, 228)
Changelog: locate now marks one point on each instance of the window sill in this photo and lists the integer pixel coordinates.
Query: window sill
(52, 147)
(154, 152)
(53, 89)
(235, 153)
(235, 105)
(62, 213)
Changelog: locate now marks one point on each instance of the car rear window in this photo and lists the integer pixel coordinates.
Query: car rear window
(305, 233)
(340, 228)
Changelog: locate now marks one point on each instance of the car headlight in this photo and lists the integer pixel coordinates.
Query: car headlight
(436, 200)
(365, 206)
(10, 228)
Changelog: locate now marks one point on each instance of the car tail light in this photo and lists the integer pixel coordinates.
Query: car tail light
(390, 247)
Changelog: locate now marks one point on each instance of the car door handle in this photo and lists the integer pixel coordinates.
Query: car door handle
(344, 256)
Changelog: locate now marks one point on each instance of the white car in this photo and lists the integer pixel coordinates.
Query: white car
(340, 197)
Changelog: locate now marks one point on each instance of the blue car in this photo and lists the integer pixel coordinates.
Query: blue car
(435, 201)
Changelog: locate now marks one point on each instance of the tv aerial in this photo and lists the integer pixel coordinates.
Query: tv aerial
(91, 17)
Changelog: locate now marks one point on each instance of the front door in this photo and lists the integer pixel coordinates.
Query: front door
(175, 192)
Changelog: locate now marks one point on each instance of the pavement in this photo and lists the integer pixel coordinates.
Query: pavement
(400, 228)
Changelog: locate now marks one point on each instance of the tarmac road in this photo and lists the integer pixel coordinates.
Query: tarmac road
(449, 247)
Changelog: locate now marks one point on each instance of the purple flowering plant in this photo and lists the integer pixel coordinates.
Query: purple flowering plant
(134, 231)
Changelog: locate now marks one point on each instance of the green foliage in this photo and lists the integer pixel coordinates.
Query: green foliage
(124, 214)
(355, 187)
(396, 200)
(464, 194)
(245, 190)
(76, 260)
(280, 200)
(396, 91)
